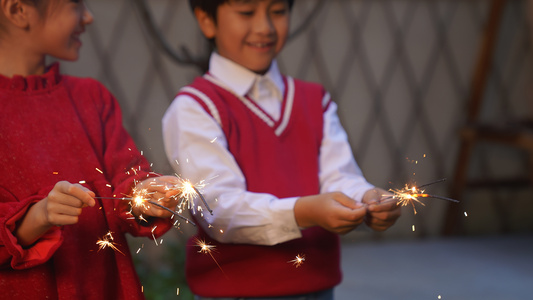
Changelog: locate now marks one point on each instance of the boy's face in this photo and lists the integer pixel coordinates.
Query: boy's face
(250, 32)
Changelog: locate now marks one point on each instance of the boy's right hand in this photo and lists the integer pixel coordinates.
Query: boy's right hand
(334, 212)
(64, 203)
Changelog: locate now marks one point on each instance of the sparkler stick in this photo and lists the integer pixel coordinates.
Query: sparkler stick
(151, 202)
(203, 200)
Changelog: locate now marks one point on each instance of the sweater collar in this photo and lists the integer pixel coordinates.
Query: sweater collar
(49, 79)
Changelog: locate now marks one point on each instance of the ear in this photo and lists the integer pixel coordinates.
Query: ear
(206, 23)
(15, 12)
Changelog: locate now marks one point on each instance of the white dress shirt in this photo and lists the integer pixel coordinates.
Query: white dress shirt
(197, 149)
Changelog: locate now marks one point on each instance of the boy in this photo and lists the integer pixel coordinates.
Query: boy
(285, 181)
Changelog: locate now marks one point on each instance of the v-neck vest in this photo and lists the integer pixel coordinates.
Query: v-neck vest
(276, 157)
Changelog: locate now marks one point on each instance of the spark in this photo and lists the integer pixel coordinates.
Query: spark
(204, 247)
(208, 249)
(155, 240)
(188, 192)
(298, 260)
(107, 241)
(409, 195)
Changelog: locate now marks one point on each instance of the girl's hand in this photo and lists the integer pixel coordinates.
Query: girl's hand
(64, 203)
(62, 206)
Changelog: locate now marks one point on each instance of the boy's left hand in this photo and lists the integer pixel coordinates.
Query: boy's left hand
(380, 216)
(157, 190)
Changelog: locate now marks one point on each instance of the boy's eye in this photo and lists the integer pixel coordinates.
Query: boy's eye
(246, 12)
(279, 11)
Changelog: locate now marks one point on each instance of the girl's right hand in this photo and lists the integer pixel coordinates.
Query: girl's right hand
(64, 203)
(62, 206)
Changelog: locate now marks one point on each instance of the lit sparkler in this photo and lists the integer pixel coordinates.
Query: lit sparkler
(188, 192)
(139, 201)
(298, 260)
(107, 241)
(409, 195)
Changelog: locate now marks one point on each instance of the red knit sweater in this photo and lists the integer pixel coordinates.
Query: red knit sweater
(55, 127)
(281, 160)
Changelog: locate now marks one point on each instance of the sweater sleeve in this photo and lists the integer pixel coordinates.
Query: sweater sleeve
(124, 166)
(12, 254)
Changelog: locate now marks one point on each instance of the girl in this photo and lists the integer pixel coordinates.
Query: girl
(63, 144)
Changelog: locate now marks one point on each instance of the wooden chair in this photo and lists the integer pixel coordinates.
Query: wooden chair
(518, 134)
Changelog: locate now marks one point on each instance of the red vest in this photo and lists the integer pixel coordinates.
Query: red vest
(279, 158)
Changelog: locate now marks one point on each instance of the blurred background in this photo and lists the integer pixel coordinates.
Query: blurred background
(427, 90)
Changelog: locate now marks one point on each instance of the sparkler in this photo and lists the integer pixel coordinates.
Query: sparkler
(139, 201)
(107, 241)
(188, 192)
(409, 195)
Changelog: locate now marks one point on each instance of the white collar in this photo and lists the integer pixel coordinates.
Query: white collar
(240, 79)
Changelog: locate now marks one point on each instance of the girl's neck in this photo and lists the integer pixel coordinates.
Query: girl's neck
(17, 63)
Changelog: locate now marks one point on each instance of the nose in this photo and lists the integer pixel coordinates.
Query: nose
(87, 16)
(263, 24)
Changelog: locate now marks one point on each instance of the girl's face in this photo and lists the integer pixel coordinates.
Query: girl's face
(57, 30)
(251, 32)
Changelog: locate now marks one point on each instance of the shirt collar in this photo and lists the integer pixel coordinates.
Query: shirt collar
(240, 79)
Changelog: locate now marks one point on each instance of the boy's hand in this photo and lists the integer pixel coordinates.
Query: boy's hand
(157, 189)
(64, 204)
(334, 212)
(380, 216)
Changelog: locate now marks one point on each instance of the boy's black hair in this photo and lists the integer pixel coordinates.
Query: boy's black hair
(210, 6)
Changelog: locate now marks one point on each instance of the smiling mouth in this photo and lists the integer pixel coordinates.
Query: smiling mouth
(261, 45)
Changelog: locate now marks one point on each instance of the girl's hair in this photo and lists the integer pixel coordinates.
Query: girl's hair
(41, 5)
(211, 6)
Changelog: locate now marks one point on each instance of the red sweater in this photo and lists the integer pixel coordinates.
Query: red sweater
(55, 127)
(281, 160)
